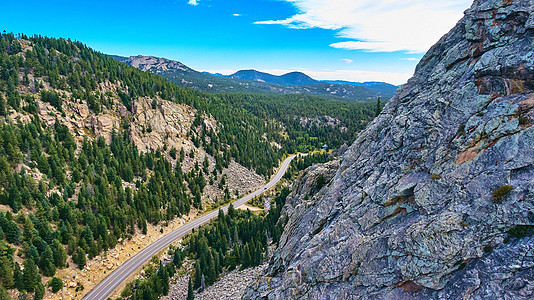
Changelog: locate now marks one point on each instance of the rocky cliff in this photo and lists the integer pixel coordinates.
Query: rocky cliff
(435, 199)
(156, 64)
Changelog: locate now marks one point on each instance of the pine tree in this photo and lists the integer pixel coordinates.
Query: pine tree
(13, 234)
(39, 292)
(60, 255)
(190, 294)
(245, 261)
(80, 258)
(198, 276)
(216, 264)
(177, 260)
(6, 265)
(18, 277)
(182, 154)
(165, 282)
(221, 261)
(6, 272)
(258, 255)
(28, 230)
(47, 262)
(211, 271)
(3, 105)
(378, 107)
(252, 253)
(231, 211)
(71, 247)
(30, 276)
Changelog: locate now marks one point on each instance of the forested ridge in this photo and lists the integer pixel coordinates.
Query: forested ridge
(67, 197)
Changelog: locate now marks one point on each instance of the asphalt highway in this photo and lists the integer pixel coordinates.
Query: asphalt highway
(113, 280)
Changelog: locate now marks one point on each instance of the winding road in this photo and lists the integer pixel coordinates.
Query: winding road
(113, 280)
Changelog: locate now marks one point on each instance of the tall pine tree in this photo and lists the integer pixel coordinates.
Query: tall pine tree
(190, 294)
(30, 276)
(3, 105)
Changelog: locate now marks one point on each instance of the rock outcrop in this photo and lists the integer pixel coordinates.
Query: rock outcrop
(156, 64)
(435, 199)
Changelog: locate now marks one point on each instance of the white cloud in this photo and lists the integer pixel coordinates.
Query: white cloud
(378, 25)
(192, 2)
(236, 15)
(346, 75)
(346, 60)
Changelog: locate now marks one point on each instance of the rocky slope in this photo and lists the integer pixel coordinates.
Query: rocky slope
(435, 198)
(154, 123)
(164, 125)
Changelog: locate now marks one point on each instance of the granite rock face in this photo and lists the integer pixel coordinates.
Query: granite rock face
(435, 199)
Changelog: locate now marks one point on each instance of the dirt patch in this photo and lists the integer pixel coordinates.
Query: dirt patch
(251, 208)
(466, 156)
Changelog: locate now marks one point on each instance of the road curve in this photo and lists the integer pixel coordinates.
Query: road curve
(113, 280)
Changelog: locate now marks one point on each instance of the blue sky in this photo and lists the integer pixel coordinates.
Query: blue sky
(357, 40)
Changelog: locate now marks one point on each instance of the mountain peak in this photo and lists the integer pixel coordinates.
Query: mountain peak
(288, 79)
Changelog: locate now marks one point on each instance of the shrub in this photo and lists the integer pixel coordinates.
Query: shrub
(320, 181)
(56, 284)
(461, 130)
(523, 121)
(488, 249)
(520, 231)
(501, 192)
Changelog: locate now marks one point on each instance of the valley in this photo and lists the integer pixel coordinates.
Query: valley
(97, 154)
(137, 177)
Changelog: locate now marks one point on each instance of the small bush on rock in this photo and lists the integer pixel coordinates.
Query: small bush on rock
(501, 192)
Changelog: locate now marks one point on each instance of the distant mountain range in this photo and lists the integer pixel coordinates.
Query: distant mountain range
(293, 78)
(252, 81)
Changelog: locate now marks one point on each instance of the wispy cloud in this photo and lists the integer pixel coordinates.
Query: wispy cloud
(346, 60)
(192, 2)
(236, 15)
(378, 25)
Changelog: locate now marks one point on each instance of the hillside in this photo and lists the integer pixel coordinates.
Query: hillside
(251, 81)
(96, 154)
(434, 199)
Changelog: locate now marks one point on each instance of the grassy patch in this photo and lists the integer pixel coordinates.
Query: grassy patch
(435, 176)
(501, 192)
(461, 130)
